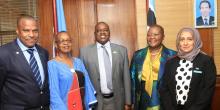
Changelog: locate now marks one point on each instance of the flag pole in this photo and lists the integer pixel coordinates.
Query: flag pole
(55, 30)
(55, 17)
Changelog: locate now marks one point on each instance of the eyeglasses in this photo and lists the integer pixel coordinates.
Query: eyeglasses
(64, 41)
(153, 35)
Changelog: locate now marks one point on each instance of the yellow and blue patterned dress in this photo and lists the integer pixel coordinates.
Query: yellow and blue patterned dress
(145, 76)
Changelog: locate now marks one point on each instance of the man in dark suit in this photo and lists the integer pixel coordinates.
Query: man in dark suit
(114, 90)
(205, 18)
(23, 87)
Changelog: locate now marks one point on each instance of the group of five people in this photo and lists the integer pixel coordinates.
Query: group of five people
(158, 79)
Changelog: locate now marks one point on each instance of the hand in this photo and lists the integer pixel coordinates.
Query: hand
(127, 107)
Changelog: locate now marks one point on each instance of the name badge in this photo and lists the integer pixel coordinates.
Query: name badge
(197, 70)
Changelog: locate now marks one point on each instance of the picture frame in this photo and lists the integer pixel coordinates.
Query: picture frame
(205, 13)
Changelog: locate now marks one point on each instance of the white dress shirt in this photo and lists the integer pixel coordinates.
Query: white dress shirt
(207, 18)
(103, 80)
(36, 55)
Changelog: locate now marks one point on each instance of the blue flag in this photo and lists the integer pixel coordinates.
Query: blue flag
(151, 19)
(60, 16)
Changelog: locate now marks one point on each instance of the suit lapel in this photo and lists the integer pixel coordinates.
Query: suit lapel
(44, 64)
(19, 58)
(162, 62)
(95, 60)
(113, 50)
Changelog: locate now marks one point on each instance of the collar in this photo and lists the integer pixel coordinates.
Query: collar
(205, 18)
(107, 45)
(22, 46)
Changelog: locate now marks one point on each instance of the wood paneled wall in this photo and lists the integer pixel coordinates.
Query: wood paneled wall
(120, 15)
(216, 99)
(168, 15)
(216, 40)
(207, 39)
(81, 17)
(141, 18)
(172, 17)
(45, 14)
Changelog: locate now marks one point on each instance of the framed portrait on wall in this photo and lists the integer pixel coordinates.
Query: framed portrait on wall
(205, 13)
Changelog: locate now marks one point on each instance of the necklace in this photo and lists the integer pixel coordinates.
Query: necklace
(153, 54)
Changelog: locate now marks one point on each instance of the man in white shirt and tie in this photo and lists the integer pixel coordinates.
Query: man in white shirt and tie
(23, 69)
(205, 18)
(108, 68)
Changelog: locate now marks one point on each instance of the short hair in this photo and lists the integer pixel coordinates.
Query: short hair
(59, 34)
(204, 1)
(101, 23)
(160, 27)
(24, 16)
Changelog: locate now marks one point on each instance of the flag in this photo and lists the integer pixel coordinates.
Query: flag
(59, 20)
(151, 19)
(60, 16)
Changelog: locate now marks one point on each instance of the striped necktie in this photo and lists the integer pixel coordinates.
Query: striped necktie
(34, 67)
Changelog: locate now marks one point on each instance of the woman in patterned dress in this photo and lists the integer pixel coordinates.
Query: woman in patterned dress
(146, 69)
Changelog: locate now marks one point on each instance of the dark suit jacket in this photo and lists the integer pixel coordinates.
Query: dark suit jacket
(19, 90)
(199, 21)
(120, 74)
(201, 86)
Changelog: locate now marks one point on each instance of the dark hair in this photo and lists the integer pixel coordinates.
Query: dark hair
(59, 34)
(205, 1)
(160, 27)
(101, 23)
(24, 16)
(57, 40)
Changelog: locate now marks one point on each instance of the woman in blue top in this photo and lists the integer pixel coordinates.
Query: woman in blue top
(61, 72)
